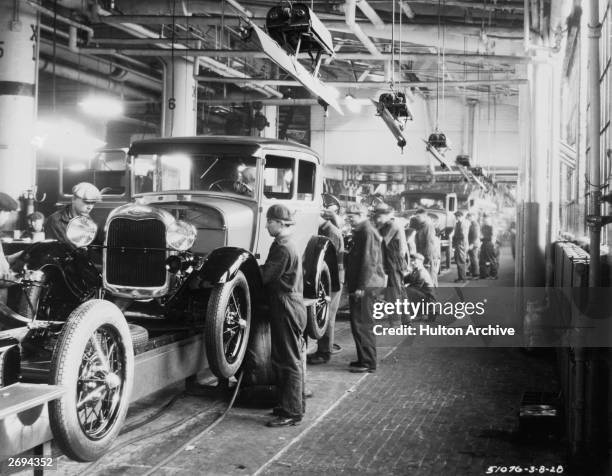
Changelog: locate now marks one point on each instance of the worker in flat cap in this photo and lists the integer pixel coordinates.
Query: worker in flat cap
(7, 205)
(394, 251)
(325, 344)
(419, 285)
(84, 196)
(364, 279)
(282, 279)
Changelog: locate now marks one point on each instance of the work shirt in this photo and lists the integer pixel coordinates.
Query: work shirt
(460, 236)
(329, 230)
(420, 279)
(364, 268)
(57, 223)
(487, 233)
(282, 271)
(474, 234)
(427, 243)
(395, 249)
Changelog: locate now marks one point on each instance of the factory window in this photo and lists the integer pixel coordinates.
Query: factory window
(279, 177)
(107, 170)
(306, 180)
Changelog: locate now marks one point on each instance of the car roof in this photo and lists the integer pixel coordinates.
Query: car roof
(238, 144)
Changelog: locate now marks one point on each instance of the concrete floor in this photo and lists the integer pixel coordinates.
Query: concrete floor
(426, 411)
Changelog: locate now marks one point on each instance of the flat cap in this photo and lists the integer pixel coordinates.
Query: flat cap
(458, 213)
(87, 192)
(356, 209)
(7, 203)
(382, 209)
(281, 213)
(36, 216)
(418, 256)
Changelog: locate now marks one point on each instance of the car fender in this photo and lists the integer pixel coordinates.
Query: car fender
(319, 247)
(222, 264)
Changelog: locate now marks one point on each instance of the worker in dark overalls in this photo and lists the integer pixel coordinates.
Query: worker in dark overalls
(325, 345)
(282, 279)
(394, 248)
(365, 278)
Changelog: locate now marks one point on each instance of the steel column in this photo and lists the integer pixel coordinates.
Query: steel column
(181, 103)
(17, 99)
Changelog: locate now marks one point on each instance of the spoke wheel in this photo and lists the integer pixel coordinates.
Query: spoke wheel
(100, 382)
(94, 361)
(318, 313)
(228, 322)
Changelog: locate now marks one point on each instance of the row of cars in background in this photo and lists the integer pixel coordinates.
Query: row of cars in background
(166, 285)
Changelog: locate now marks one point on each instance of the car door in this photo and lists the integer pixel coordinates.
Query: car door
(290, 178)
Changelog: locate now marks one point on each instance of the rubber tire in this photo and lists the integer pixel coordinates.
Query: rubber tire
(65, 363)
(213, 329)
(257, 364)
(314, 330)
(140, 337)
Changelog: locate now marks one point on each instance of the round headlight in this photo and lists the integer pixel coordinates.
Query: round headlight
(81, 231)
(180, 235)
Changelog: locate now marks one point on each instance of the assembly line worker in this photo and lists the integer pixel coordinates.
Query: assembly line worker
(282, 279)
(473, 244)
(364, 278)
(488, 253)
(395, 251)
(419, 285)
(428, 244)
(84, 197)
(325, 344)
(7, 205)
(460, 244)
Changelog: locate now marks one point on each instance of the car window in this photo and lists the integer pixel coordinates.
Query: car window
(221, 173)
(306, 180)
(279, 180)
(107, 170)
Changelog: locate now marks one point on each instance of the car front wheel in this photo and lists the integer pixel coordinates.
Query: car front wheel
(94, 361)
(228, 321)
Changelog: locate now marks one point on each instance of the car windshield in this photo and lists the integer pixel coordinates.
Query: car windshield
(232, 174)
(423, 201)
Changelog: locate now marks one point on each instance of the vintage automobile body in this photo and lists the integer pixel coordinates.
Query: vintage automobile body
(441, 208)
(173, 288)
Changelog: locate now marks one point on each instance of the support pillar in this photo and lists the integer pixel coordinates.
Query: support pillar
(536, 122)
(17, 98)
(180, 105)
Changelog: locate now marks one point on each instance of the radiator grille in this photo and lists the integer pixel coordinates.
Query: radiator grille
(131, 257)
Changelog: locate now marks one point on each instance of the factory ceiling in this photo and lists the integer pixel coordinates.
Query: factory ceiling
(469, 48)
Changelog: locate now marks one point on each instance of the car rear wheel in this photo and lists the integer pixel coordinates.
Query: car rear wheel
(94, 362)
(228, 321)
(318, 313)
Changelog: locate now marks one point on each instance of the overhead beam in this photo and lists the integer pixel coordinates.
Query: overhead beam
(363, 84)
(335, 24)
(505, 7)
(356, 56)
